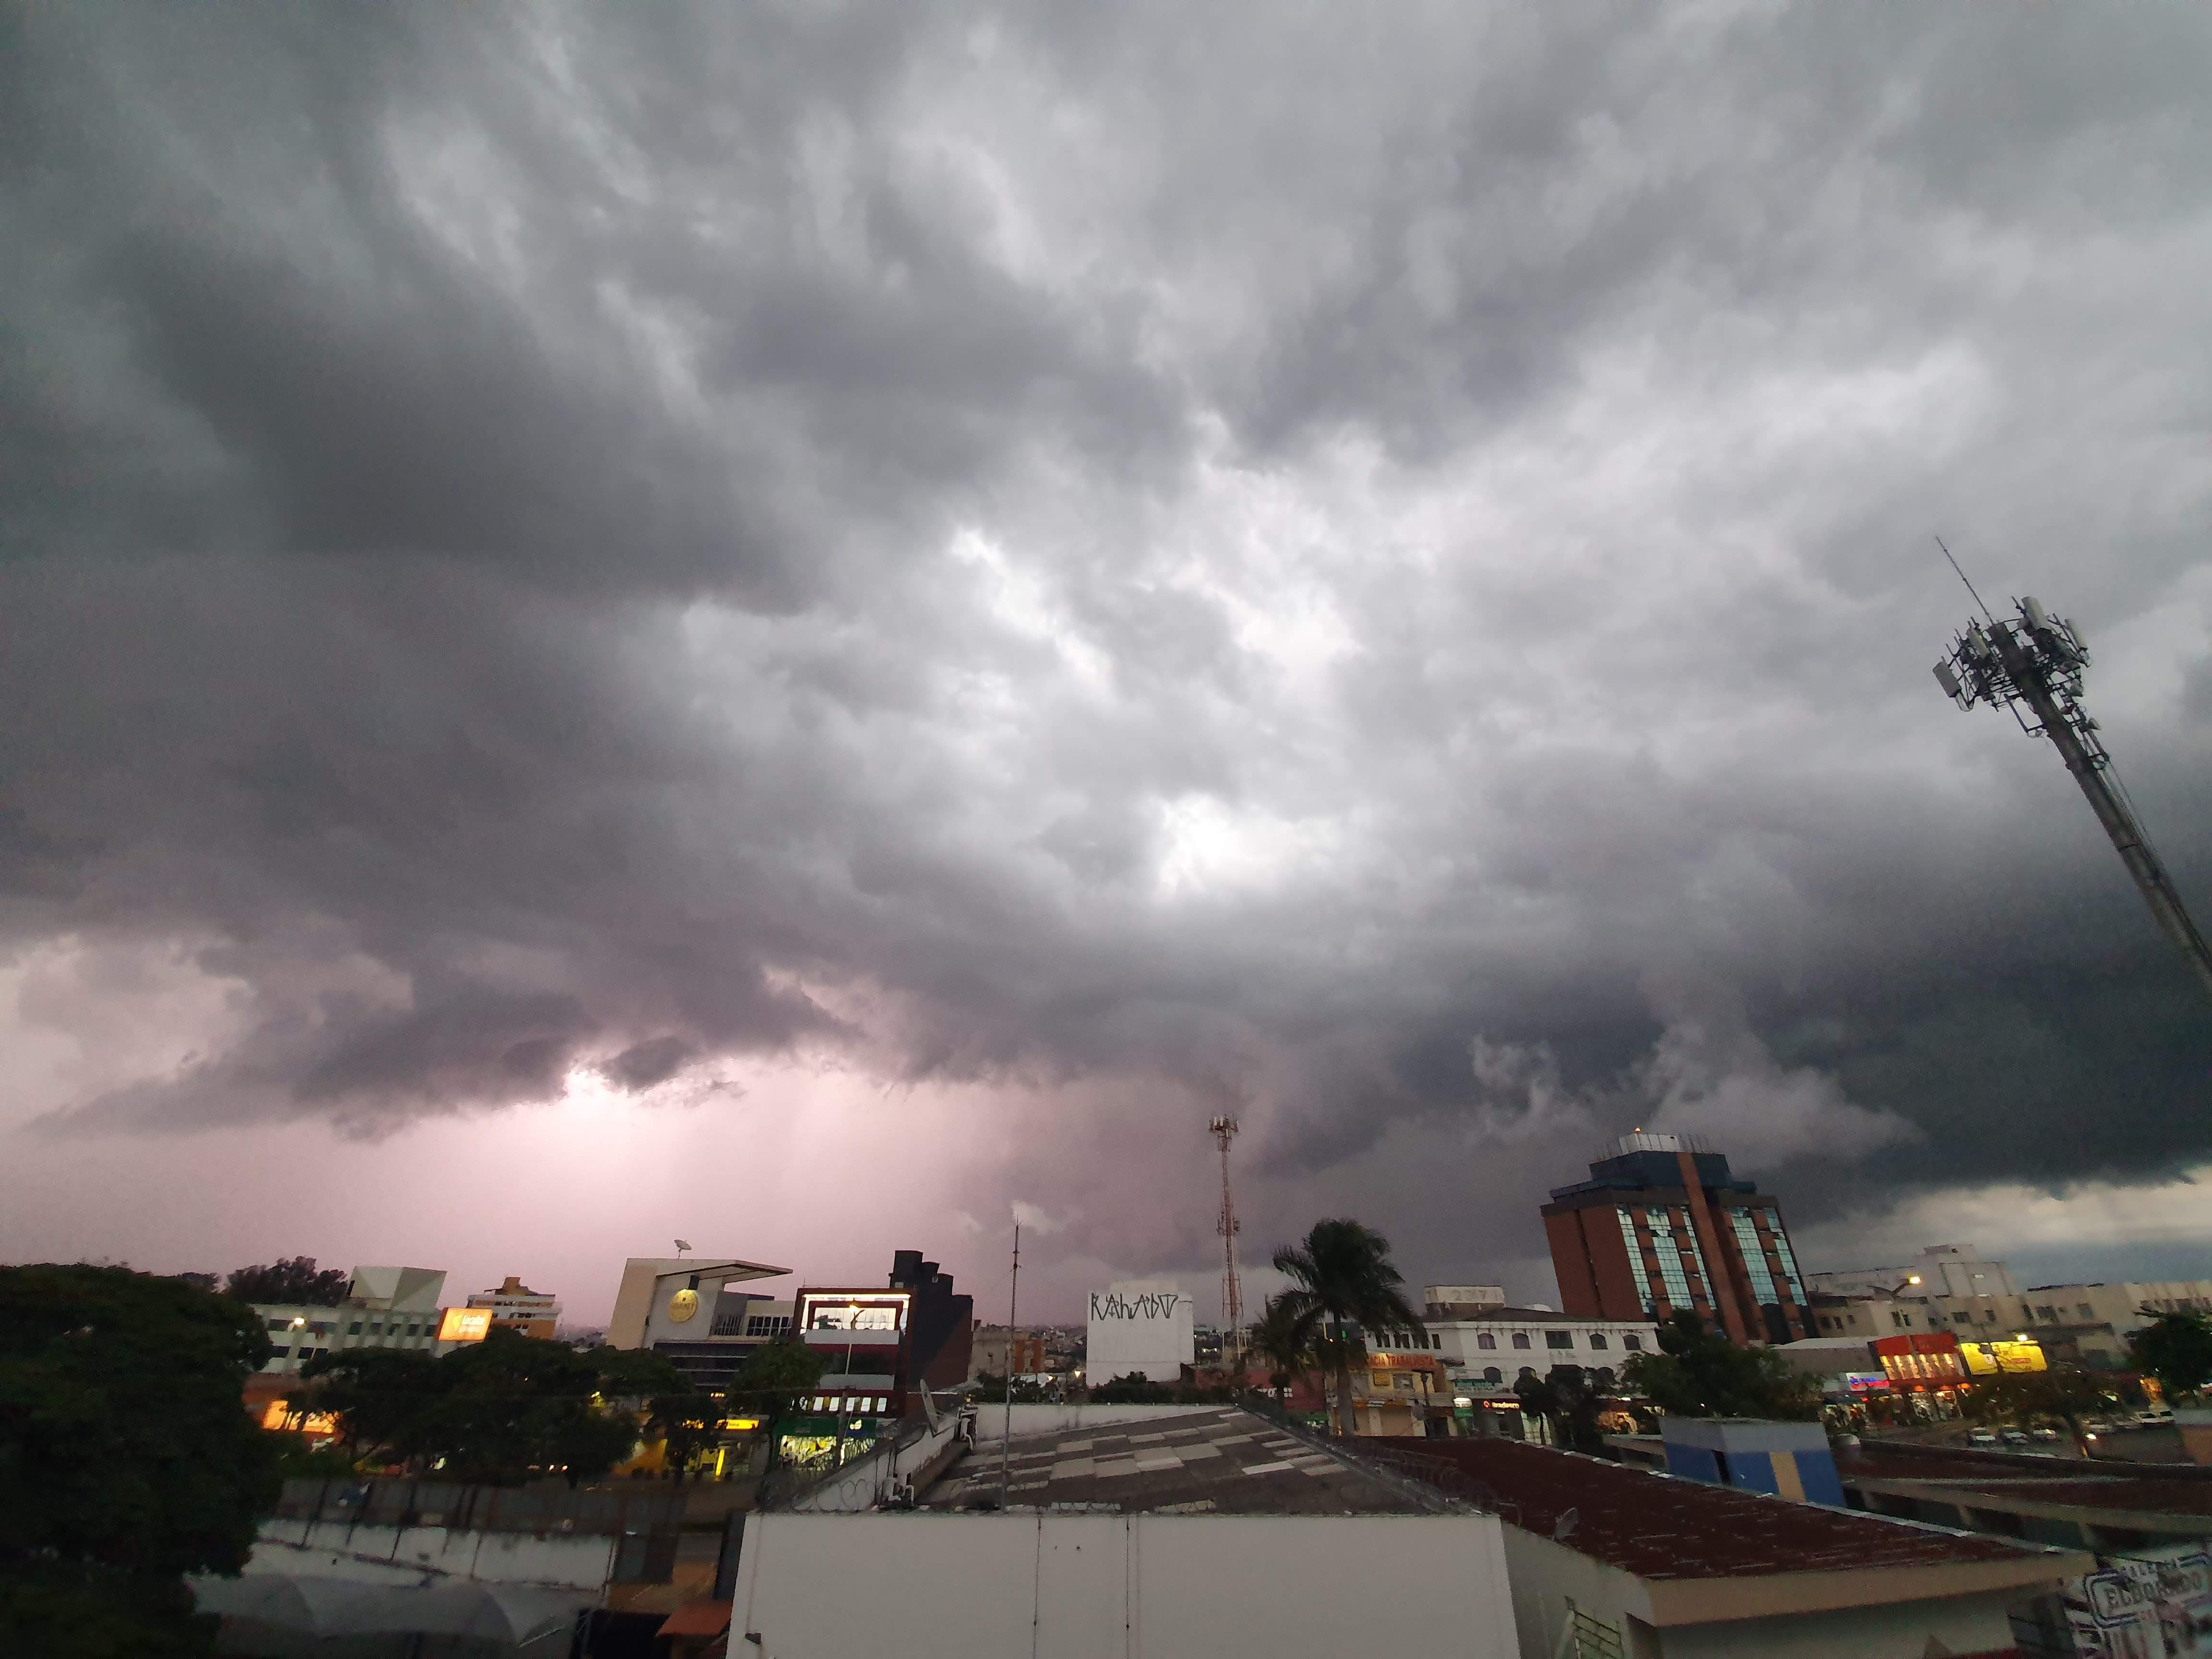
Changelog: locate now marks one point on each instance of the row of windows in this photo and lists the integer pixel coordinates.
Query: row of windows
(325, 1328)
(767, 1324)
(1597, 1340)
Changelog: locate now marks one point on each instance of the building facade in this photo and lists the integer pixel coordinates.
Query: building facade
(382, 1308)
(694, 1312)
(1662, 1227)
(882, 1345)
(1141, 1328)
(515, 1307)
(1485, 1356)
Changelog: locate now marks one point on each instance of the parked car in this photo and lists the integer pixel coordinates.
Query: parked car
(1982, 1437)
(2154, 1419)
(2015, 1437)
(2044, 1434)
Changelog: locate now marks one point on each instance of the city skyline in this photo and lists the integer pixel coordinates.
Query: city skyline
(814, 632)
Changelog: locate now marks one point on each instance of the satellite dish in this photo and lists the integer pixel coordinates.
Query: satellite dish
(682, 1245)
(1564, 1528)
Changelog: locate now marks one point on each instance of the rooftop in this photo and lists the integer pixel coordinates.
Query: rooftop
(1223, 1460)
(2048, 1483)
(1659, 1528)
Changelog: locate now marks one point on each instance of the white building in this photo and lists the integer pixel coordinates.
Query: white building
(383, 1308)
(1140, 1327)
(1491, 1353)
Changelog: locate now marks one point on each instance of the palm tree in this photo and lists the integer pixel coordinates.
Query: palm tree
(1339, 1275)
(1287, 1349)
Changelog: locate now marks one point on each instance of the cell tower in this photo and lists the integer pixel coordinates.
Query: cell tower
(1223, 1129)
(2036, 659)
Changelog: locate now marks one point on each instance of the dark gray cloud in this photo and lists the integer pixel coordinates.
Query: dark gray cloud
(1378, 570)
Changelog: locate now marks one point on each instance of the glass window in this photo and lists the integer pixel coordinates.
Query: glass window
(1485, 1339)
(1791, 1278)
(1558, 1338)
(1670, 1254)
(1597, 1340)
(1754, 1257)
(1492, 1374)
(1635, 1259)
(1520, 1339)
(2084, 1311)
(1632, 1342)
(354, 1329)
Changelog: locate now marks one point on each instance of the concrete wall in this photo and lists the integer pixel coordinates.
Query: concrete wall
(868, 1481)
(1092, 1586)
(338, 1550)
(1546, 1576)
(991, 1420)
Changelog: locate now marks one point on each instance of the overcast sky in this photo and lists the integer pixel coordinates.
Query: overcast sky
(807, 627)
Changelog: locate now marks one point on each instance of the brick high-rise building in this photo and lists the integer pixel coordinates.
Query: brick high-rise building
(1662, 1226)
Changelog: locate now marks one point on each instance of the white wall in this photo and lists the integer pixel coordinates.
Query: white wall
(1092, 1586)
(1546, 1575)
(337, 1549)
(1139, 1325)
(1055, 1419)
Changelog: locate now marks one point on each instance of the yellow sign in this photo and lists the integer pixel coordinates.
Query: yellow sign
(280, 1411)
(683, 1305)
(465, 1325)
(1989, 1358)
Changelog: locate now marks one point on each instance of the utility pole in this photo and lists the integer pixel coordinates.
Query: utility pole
(2036, 659)
(1013, 1301)
(1223, 1129)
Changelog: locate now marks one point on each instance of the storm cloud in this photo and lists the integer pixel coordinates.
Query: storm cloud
(1378, 572)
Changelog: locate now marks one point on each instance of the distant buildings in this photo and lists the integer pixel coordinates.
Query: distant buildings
(383, 1308)
(515, 1307)
(882, 1345)
(1487, 1347)
(1662, 1226)
(1951, 1288)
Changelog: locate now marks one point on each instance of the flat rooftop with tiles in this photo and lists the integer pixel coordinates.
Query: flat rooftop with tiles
(1217, 1460)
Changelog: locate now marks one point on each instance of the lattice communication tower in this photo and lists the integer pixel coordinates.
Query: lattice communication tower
(2036, 660)
(1224, 1130)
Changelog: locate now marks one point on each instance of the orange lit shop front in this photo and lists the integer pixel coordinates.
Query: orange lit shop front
(1397, 1385)
(1924, 1364)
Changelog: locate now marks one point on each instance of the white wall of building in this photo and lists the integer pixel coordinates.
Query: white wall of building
(1546, 1576)
(1593, 1343)
(1139, 1325)
(1048, 1417)
(1091, 1586)
(334, 1549)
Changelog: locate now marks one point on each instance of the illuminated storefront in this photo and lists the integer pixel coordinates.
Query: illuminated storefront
(1995, 1358)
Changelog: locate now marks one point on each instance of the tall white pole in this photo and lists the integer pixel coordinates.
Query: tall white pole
(1013, 1301)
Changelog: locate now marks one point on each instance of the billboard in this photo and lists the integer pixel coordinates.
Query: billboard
(1989, 1358)
(465, 1324)
(1140, 1327)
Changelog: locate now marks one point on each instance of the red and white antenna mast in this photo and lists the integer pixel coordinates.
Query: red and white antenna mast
(1223, 1129)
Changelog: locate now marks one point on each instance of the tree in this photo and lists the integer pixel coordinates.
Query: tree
(1286, 1347)
(493, 1413)
(771, 1381)
(288, 1284)
(1134, 1389)
(1700, 1373)
(127, 1457)
(2176, 1348)
(1568, 1398)
(1341, 1275)
(2025, 1397)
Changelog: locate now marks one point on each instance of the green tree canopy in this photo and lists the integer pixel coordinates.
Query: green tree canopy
(2176, 1348)
(1700, 1373)
(289, 1283)
(126, 1456)
(495, 1412)
(1341, 1274)
(1286, 1344)
(1568, 1397)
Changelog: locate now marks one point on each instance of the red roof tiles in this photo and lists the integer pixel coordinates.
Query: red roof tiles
(1656, 1527)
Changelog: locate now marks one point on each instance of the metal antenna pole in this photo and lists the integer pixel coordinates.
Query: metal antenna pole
(1013, 1301)
(1224, 1130)
(2038, 659)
